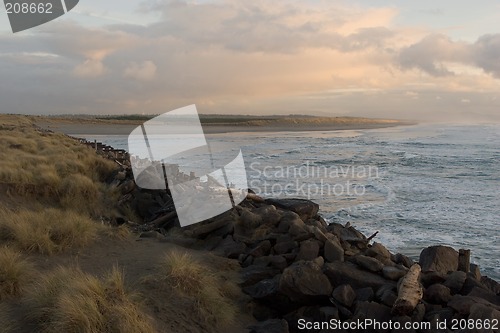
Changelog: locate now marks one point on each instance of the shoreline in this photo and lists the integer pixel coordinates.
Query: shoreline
(77, 127)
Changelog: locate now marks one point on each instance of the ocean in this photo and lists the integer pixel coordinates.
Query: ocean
(418, 185)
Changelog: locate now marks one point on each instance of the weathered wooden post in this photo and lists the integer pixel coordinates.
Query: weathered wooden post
(464, 260)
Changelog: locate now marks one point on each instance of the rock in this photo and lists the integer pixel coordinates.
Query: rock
(387, 295)
(269, 214)
(229, 248)
(349, 234)
(287, 219)
(255, 273)
(403, 260)
(475, 271)
(431, 278)
(309, 250)
(485, 294)
(439, 315)
(482, 313)
(276, 261)
(369, 263)
(455, 281)
(442, 259)
(372, 310)
(470, 283)
(333, 251)
(261, 249)
(212, 242)
(298, 230)
(344, 294)
(328, 313)
(319, 261)
(346, 273)
(320, 224)
(365, 294)
(285, 247)
(304, 280)
(393, 273)
(419, 313)
(437, 294)
(318, 234)
(306, 209)
(491, 284)
(378, 251)
(250, 220)
(264, 289)
(463, 304)
(270, 326)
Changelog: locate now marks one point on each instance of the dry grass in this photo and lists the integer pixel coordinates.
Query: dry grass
(210, 297)
(51, 165)
(15, 272)
(48, 231)
(68, 300)
(6, 323)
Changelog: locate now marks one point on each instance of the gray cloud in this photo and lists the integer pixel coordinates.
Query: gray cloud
(227, 57)
(486, 54)
(433, 52)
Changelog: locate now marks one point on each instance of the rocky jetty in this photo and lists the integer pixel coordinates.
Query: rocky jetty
(301, 272)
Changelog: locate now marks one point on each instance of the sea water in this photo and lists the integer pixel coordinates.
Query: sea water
(417, 185)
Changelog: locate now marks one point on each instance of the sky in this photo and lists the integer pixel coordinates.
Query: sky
(419, 60)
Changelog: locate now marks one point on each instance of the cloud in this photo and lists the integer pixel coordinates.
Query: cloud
(434, 53)
(249, 57)
(486, 52)
(145, 71)
(90, 68)
(431, 54)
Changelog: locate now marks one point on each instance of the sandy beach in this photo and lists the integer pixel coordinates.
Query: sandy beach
(115, 127)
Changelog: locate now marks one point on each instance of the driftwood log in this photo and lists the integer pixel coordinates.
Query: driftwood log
(410, 292)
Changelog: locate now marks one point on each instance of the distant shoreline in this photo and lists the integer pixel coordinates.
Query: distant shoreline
(105, 127)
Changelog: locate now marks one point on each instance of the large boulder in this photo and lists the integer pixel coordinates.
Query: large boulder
(255, 273)
(437, 294)
(333, 251)
(306, 209)
(344, 294)
(379, 252)
(455, 281)
(463, 304)
(285, 247)
(309, 250)
(369, 263)
(441, 259)
(269, 214)
(393, 273)
(346, 273)
(372, 310)
(230, 248)
(484, 314)
(304, 281)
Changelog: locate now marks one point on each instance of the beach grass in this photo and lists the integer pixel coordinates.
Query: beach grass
(209, 294)
(15, 272)
(69, 300)
(47, 231)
